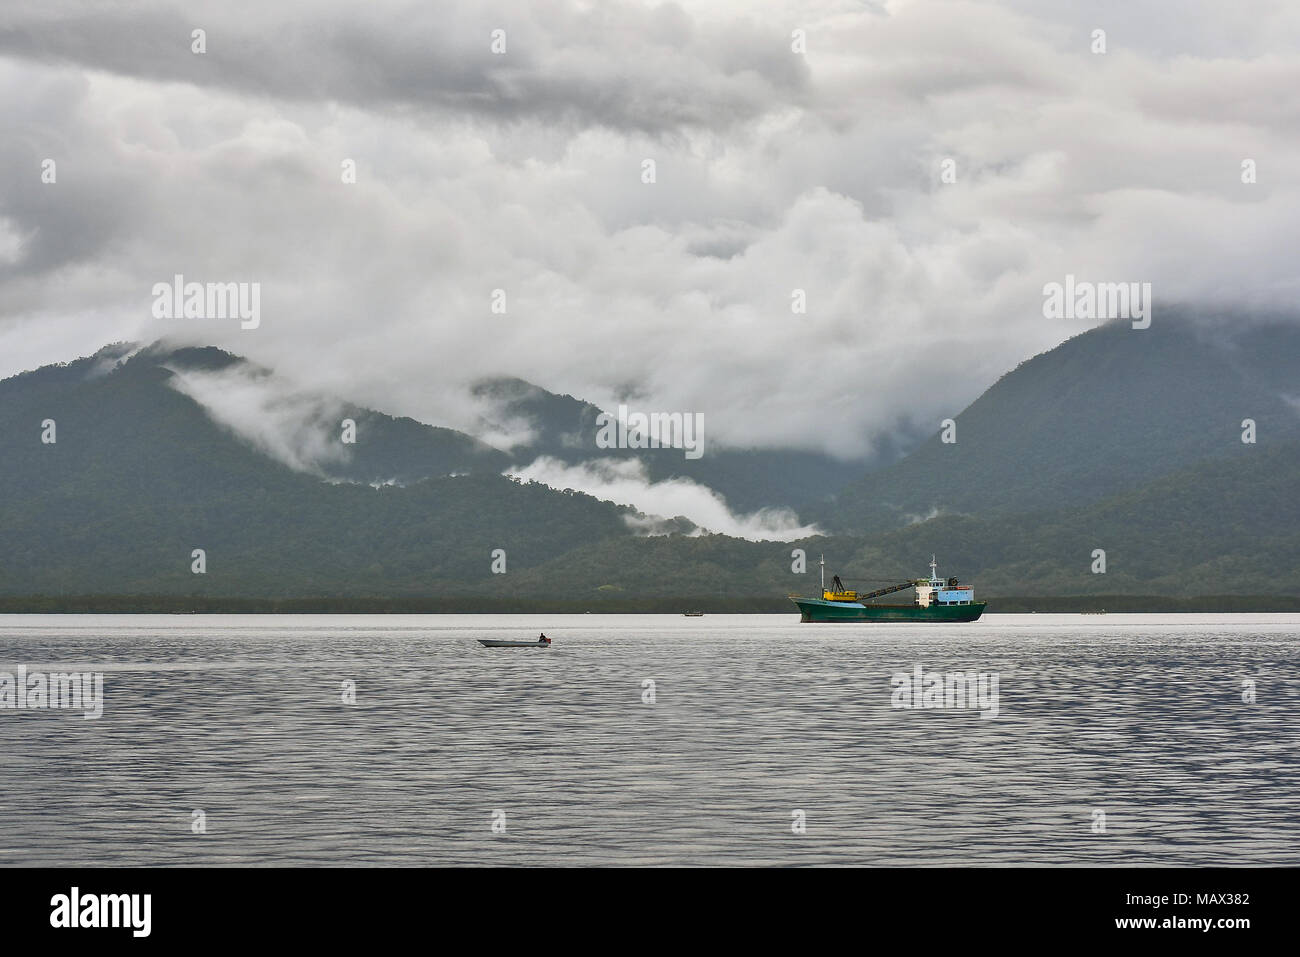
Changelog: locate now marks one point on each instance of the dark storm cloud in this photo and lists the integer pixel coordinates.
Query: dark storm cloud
(620, 64)
(776, 171)
(73, 222)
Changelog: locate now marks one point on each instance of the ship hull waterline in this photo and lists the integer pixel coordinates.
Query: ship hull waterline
(817, 610)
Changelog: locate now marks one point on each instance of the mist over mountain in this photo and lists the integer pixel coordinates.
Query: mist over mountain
(138, 475)
(565, 429)
(1098, 416)
(1128, 441)
(1222, 527)
(523, 430)
(824, 248)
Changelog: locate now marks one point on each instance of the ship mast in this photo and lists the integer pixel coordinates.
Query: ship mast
(933, 573)
(823, 565)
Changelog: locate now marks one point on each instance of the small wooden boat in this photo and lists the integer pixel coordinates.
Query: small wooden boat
(498, 643)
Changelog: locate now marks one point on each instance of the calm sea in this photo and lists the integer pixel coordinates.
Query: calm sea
(1119, 739)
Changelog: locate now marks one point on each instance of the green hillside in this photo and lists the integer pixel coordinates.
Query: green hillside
(1151, 469)
(1096, 416)
(139, 476)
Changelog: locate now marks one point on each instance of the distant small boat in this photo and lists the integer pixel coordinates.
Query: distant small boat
(693, 614)
(497, 643)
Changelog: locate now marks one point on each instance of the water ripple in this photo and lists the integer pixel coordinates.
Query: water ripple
(1140, 718)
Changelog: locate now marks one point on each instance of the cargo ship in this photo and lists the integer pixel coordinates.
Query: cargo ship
(933, 599)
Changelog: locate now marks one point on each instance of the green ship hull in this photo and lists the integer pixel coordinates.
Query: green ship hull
(817, 610)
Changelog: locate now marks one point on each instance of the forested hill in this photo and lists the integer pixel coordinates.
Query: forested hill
(1099, 415)
(1112, 443)
(138, 476)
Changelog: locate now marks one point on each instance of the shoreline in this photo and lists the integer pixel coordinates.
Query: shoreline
(469, 605)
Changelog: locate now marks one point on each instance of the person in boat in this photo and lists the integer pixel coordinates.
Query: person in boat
(543, 640)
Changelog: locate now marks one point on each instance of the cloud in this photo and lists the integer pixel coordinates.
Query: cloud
(917, 518)
(295, 429)
(299, 429)
(620, 64)
(775, 172)
(625, 482)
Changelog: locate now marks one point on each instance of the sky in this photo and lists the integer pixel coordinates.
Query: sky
(798, 149)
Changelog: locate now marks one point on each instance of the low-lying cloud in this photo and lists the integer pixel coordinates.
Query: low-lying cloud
(625, 482)
(300, 430)
(293, 428)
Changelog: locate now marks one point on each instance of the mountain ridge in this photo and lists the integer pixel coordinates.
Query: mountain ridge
(1104, 410)
(141, 474)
